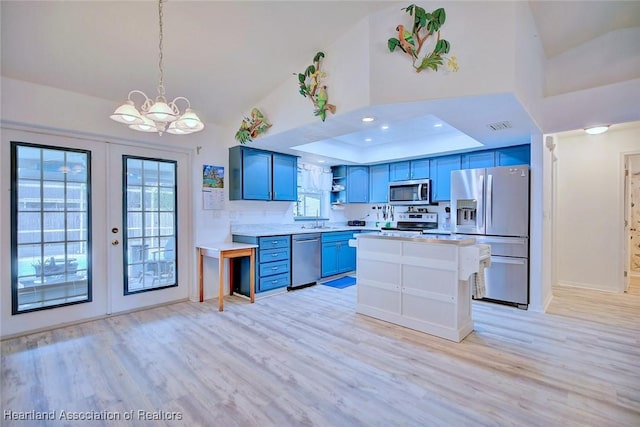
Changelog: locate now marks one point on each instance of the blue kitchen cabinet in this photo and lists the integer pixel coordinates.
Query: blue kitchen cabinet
(441, 180)
(337, 256)
(285, 177)
(256, 171)
(479, 159)
(511, 156)
(357, 184)
(262, 175)
(379, 183)
(350, 184)
(410, 169)
(420, 168)
(399, 171)
(272, 264)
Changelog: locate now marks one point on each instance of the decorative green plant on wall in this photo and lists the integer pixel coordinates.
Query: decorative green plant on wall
(252, 126)
(311, 87)
(425, 25)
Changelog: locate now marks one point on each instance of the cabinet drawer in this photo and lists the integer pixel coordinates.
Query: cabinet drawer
(269, 255)
(271, 268)
(272, 282)
(274, 242)
(335, 236)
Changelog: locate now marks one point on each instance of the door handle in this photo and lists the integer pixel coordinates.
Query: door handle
(115, 242)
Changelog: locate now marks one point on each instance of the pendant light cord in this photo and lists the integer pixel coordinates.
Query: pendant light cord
(161, 84)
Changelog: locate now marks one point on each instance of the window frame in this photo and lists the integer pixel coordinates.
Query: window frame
(125, 237)
(14, 145)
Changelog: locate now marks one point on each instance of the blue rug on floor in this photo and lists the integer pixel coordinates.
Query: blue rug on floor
(341, 283)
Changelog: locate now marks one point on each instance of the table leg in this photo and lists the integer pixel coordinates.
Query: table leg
(221, 283)
(232, 266)
(252, 275)
(200, 274)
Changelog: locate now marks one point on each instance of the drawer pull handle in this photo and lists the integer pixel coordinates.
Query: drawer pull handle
(275, 268)
(276, 254)
(274, 242)
(274, 281)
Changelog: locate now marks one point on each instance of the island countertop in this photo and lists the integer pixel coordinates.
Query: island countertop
(421, 238)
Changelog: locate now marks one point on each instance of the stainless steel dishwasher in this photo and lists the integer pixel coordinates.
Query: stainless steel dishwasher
(305, 259)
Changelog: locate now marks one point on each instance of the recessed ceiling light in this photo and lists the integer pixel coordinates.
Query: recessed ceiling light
(437, 125)
(367, 139)
(596, 130)
(384, 127)
(320, 161)
(368, 119)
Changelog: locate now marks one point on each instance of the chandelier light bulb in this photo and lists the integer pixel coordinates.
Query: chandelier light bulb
(127, 114)
(153, 116)
(146, 126)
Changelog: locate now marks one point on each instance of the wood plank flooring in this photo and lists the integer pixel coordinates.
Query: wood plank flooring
(306, 359)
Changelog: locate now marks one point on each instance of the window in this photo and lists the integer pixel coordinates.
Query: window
(50, 227)
(309, 204)
(313, 195)
(150, 224)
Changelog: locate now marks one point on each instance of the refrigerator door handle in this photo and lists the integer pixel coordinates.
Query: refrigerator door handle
(480, 215)
(508, 260)
(489, 200)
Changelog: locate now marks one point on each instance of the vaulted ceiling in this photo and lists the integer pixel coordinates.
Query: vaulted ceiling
(222, 55)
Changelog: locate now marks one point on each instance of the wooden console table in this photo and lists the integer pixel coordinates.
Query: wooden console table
(222, 251)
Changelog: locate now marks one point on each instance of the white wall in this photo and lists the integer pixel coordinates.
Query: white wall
(482, 37)
(589, 206)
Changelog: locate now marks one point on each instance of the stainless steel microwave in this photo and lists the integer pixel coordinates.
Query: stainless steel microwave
(412, 192)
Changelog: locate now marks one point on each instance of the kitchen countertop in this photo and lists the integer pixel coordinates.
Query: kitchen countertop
(281, 230)
(421, 238)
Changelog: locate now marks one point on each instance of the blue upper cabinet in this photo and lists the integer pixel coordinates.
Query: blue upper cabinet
(442, 167)
(510, 156)
(410, 169)
(420, 168)
(285, 177)
(379, 183)
(357, 184)
(261, 175)
(479, 159)
(399, 171)
(256, 167)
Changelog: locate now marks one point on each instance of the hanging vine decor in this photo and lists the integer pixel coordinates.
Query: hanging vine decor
(252, 127)
(311, 87)
(425, 25)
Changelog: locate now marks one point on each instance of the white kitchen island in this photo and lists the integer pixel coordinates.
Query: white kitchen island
(420, 282)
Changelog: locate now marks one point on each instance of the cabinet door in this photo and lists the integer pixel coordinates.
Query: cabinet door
(442, 176)
(256, 175)
(510, 156)
(357, 184)
(379, 183)
(346, 257)
(481, 159)
(399, 171)
(285, 177)
(420, 168)
(329, 258)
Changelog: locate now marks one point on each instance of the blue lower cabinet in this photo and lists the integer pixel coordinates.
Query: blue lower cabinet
(272, 267)
(337, 256)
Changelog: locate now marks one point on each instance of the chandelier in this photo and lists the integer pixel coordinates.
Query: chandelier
(159, 115)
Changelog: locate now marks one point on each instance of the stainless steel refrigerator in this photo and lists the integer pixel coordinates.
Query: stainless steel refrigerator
(492, 205)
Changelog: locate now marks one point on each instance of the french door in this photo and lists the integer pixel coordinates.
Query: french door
(96, 228)
(147, 227)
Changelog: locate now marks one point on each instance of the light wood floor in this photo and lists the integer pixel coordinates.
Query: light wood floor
(306, 359)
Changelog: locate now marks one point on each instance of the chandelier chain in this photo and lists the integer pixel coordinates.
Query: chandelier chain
(160, 56)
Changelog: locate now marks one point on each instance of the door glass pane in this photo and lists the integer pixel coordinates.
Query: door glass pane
(50, 225)
(149, 221)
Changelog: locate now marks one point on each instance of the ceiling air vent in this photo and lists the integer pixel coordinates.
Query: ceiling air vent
(500, 125)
